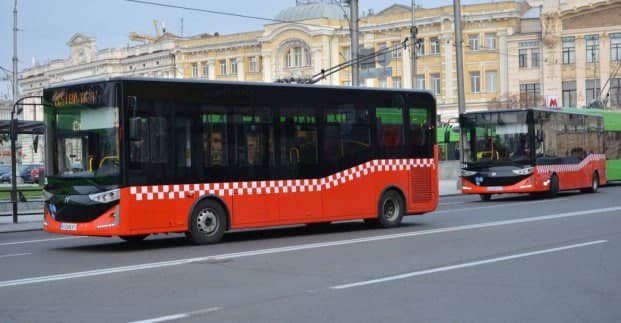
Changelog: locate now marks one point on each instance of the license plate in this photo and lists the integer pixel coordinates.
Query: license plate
(69, 226)
(494, 188)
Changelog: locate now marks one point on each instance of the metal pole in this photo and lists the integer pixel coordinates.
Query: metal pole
(413, 35)
(355, 68)
(461, 105)
(13, 121)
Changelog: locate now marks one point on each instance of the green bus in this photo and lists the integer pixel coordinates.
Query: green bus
(612, 131)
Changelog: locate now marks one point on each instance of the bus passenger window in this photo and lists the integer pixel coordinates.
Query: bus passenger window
(390, 131)
(298, 137)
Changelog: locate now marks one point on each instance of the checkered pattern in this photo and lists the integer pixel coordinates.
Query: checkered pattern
(570, 167)
(172, 192)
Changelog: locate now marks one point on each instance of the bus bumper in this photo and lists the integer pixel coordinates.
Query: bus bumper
(527, 185)
(106, 225)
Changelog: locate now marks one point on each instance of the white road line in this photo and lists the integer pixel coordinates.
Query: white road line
(170, 263)
(39, 240)
(465, 265)
(498, 205)
(16, 255)
(179, 316)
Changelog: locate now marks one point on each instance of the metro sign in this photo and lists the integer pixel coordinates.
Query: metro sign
(552, 101)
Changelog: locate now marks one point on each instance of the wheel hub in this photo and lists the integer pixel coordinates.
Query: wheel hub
(391, 209)
(207, 221)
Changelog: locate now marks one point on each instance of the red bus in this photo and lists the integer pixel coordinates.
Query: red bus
(537, 151)
(131, 157)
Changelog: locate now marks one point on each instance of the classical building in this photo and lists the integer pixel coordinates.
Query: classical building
(314, 35)
(568, 54)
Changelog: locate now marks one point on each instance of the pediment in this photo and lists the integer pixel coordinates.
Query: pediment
(79, 39)
(395, 9)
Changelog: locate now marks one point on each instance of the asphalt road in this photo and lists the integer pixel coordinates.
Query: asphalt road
(513, 259)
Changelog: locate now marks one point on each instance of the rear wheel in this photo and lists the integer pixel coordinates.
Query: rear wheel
(554, 186)
(207, 223)
(391, 209)
(485, 197)
(594, 184)
(134, 239)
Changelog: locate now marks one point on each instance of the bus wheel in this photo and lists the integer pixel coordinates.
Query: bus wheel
(134, 239)
(485, 197)
(554, 186)
(391, 210)
(207, 223)
(594, 184)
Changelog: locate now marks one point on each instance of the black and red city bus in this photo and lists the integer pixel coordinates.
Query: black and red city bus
(537, 151)
(131, 157)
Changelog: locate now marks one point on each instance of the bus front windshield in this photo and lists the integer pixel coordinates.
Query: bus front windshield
(496, 138)
(83, 135)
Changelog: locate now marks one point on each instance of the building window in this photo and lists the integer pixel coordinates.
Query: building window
(435, 84)
(435, 46)
(490, 41)
(396, 82)
(592, 48)
(534, 57)
(347, 53)
(475, 82)
(234, 66)
(420, 48)
(615, 47)
(569, 94)
(309, 58)
(529, 94)
(194, 70)
(615, 92)
(205, 70)
(289, 58)
(396, 50)
(523, 58)
(383, 83)
(297, 51)
(592, 91)
(569, 50)
(420, 81)
(491, 79)
(253, 64)
(473, 42)
(223, 67)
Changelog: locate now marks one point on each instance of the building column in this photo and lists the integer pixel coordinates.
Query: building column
(580, 71)
(604, 63)
(212, 68)
(318, 63)
(406, 73)
(241, 70)
(447, 44)
(503, 74)
(267, 66)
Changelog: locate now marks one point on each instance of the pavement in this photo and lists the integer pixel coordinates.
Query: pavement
(35, 222)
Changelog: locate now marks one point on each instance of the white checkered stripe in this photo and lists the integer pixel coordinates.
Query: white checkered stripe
(172, 192)
(570, 167)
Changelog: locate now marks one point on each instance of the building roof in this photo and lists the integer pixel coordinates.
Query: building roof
(311, 10)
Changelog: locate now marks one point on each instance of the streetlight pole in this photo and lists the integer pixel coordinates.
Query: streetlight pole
(13, 131)
(355, 68)
(461, 105)
(413, 35)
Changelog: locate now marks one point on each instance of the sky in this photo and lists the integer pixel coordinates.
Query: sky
(47, 25)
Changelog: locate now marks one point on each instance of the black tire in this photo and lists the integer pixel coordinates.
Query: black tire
(594, 184)
(554, 186)
(208, 222)
(390, 210)
(134, 239)
(485, 197)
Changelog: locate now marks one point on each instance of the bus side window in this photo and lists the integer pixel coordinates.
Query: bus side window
(298, 137)
(390, 131)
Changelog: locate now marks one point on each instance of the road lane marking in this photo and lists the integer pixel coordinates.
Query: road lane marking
(215, 258)
(465, 265)
(37, 241)
(179, 316)
(16, 255)
(498, 205)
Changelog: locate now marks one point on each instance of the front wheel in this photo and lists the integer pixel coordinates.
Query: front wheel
(554, 186)
(207, 223)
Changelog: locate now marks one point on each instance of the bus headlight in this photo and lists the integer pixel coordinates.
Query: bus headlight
(465, 173)
(523, 171)
(105, 197)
